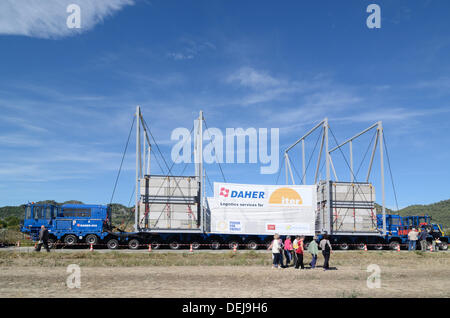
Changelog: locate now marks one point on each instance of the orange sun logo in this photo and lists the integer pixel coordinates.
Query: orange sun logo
(285, 196)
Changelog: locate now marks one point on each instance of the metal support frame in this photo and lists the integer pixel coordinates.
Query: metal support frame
(379, 138)
(143, 165)
(143, 154)
(324, 147)
(198, 160)
(138, 166)
(302, 140)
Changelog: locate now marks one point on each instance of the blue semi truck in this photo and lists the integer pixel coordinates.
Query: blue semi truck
(70, 225)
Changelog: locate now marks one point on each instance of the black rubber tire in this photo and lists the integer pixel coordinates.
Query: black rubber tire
(195, 245)
(174, 245)
(252, 245)
(378, 247)
(360, 246)
(91, 239)
(267, 243)
(51, 243)
(214, 245)
(394, 245)
(133, 244)
(156, 245)
(70, 240)
(443, 246)
(113, 244)
(344, 246)
(231, 245)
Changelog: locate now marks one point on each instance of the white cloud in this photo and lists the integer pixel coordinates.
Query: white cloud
(191, 49)
(249, 77)
(47, 19)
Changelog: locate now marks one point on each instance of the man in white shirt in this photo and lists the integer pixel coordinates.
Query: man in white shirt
(412, 237)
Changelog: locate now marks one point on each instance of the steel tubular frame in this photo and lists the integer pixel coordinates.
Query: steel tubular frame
(330, 165)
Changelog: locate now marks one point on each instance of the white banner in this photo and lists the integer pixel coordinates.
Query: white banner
(262, 209)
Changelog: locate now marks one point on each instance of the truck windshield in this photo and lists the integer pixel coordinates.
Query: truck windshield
(42, 212)
(27, 213)
(37, 212)
(48, 213)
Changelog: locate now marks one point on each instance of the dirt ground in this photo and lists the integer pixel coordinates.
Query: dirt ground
(402, 275)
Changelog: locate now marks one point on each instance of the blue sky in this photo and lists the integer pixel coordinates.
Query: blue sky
(67, 97)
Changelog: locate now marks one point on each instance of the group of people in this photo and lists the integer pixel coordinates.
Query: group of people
(287, 252)
(414, 235)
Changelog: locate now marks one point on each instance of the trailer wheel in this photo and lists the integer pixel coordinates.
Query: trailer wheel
(195, 245)
(344, 246)
(156, 245)
(70, 240)
(113, 244)
(394, 245)
(379, 246)
(51, 243)
(360, 246)
(443, 246)
(174, 245)
(91, 239)
(214, 245)
(232, 244)
(252, 245)
(133, 244)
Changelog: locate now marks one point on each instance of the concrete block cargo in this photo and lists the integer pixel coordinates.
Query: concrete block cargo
(174, 212)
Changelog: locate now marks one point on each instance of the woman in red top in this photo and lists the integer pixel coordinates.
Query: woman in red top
(299, 253)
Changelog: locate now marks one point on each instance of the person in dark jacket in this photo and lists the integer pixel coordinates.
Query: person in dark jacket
(325, 246)
(43, 239)
(423, 239)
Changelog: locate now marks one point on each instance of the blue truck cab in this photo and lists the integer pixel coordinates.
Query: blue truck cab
(398, 227)
(69, 223)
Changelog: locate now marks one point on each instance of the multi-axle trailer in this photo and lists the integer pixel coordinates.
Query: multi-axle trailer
(173, 211)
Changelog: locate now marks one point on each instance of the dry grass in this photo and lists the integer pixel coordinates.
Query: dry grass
(246, 274)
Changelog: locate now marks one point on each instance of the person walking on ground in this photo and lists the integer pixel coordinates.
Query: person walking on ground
(325, 246)
(313, 248)
(423, 239)
(299, 253)
(288, 251)
(412, 237)
(43, 239)
(294, 247)
(276, 251)
(281, 252)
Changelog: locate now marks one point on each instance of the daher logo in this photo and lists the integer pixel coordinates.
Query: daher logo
(224, 192)
(285, 196)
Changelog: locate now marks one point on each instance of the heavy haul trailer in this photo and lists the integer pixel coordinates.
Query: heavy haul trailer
(173, 211)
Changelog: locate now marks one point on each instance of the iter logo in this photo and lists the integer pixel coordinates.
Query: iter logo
(224, 192)
(285, 196)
